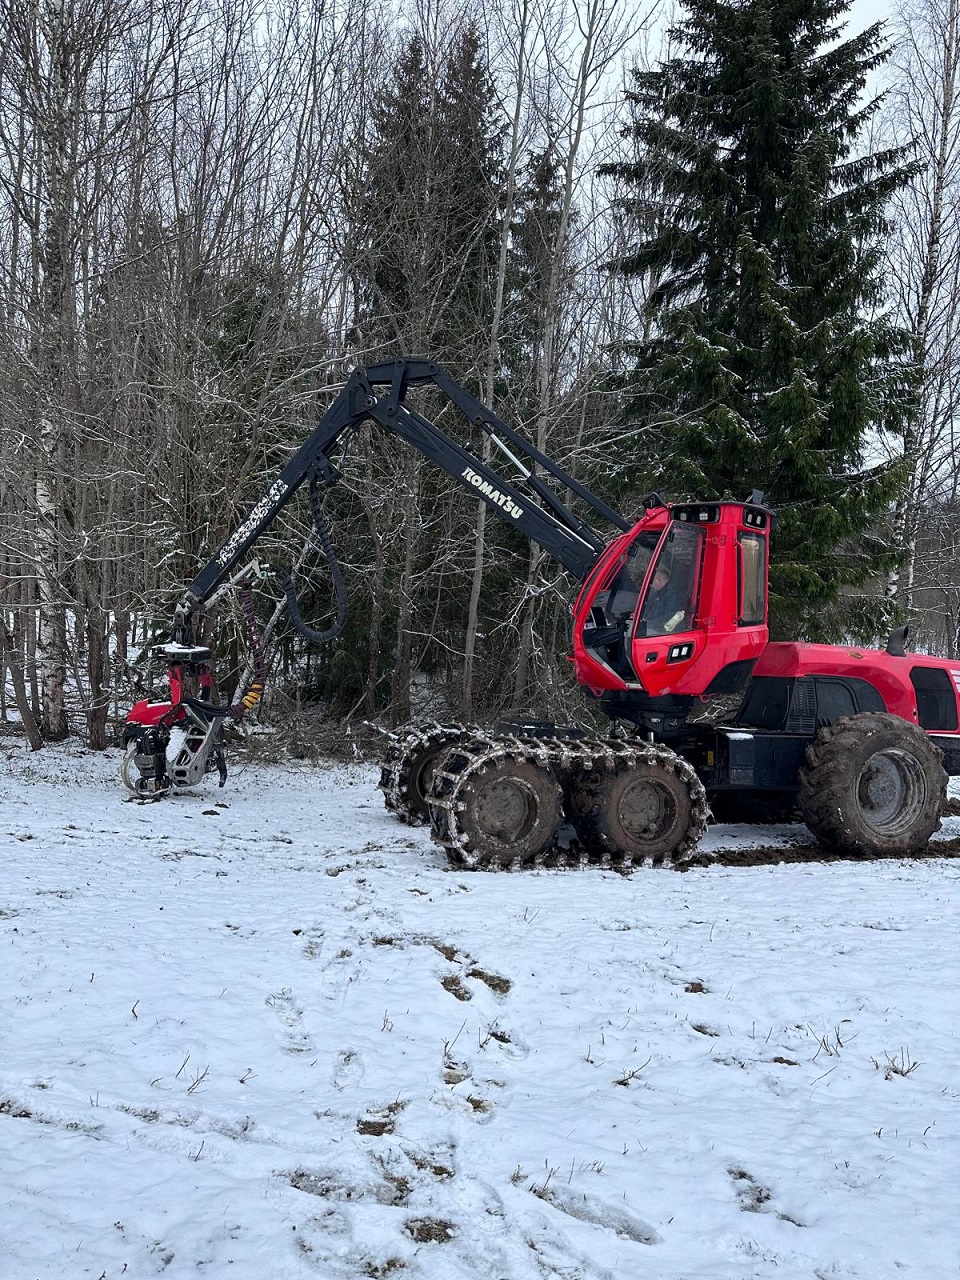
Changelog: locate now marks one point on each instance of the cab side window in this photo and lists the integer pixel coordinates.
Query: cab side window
(751, 572)
(619, 598)
(936, 698)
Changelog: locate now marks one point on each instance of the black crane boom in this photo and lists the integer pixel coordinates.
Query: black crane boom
(378, 394)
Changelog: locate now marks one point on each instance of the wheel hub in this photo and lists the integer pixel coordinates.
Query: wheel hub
(645, 810)
(891, 790)
(505, 809)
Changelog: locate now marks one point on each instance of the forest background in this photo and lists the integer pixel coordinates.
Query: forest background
(212, 212)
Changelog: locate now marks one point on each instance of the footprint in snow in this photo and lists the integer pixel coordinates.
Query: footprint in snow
(598, 1213)
(292, 1037)
(349, 1071)
(508, 1043)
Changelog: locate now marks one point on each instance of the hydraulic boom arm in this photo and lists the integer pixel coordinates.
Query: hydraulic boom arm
(378, 394)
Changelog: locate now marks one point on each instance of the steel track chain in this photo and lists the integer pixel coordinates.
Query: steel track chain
(454, 772)
(407, 743)
(566, 758)
(623, 755)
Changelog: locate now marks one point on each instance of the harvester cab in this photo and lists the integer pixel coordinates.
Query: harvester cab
(675, 609)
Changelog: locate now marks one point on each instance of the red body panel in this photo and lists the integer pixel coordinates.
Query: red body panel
(888, 673)
(149, 713)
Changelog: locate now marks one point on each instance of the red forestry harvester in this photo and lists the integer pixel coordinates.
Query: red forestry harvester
(670, 640)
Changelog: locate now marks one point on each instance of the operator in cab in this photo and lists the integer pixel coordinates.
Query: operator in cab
(665, 607)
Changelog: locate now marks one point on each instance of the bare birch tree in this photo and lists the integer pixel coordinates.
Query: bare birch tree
(582, 41)
(924, 105)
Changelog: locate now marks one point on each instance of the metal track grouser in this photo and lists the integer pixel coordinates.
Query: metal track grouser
(511, 800)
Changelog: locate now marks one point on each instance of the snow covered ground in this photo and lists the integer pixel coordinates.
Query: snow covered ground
(267, 1032)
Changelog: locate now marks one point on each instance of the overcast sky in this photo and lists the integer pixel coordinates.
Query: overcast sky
(863, 12)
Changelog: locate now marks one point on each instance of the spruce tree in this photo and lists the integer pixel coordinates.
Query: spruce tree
(431, 205)
(428, 219)
(767, 360)
(534, 246)
(470, 146)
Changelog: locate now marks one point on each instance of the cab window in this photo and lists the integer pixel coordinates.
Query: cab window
(619, 597)
(673, 584)
(752, 579)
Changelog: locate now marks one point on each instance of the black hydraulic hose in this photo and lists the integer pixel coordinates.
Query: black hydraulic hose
(325, 539)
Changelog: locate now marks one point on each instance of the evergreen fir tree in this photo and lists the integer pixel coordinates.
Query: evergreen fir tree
(397, 176)
(533, 248)
(470, 154)
(759, 230)
(429, 220)
(430, 209)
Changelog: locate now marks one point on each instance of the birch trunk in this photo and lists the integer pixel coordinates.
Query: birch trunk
(14, 662)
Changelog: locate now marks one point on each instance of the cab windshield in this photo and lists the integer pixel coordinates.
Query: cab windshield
(670, 603)
(619, 598)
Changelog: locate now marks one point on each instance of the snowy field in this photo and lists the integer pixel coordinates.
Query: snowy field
(266, 1032)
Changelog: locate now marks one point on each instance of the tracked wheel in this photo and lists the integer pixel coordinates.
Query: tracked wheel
(409, 765)
(646, 805)
(495, 804)
(873, 784)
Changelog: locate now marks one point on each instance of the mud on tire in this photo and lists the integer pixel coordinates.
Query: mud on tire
(873, 784)
(495, 805)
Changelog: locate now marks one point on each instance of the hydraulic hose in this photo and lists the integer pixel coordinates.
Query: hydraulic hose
(254, 690)
(325, 540)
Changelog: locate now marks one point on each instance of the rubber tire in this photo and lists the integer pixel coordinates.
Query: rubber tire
(530, 803)
(900, 763)
(669, 811)
(408, 770)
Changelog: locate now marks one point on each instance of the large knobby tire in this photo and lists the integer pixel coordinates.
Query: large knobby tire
(407, 771)
(874, 784)
(500, 808)
(653, 808)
